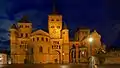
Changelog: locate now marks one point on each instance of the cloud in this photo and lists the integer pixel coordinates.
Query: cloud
(4, 28)
(5, 44)
(35, 16)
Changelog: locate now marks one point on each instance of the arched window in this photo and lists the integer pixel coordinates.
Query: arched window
(40, 49)
(37, 38)
(47, 39)
(57, 20)
(26, 35)
(52, 26)
(21, 34)
(42, 39)
(33, 39)
(58, 26)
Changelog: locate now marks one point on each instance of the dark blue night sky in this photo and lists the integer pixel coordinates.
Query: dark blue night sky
(102, 15)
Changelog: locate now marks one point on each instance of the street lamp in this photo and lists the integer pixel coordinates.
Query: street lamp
(90, 41)
(63, 54)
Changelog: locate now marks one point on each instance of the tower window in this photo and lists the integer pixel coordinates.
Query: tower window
(33, 39)
(56, 42)
(59, 47)
(58, 26)
(40, 49)
(52, 19)
(47, 39)
(26, 35)
(21, 34)
(52, 26)
(37, 38)
(57, 20)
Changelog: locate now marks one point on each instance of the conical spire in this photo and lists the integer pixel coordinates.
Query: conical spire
(24, 19)
(13, 26)
(64, 26)
(54, 8)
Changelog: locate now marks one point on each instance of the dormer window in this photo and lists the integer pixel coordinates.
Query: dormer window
(52, 19)
(57, 19)
(58, 26)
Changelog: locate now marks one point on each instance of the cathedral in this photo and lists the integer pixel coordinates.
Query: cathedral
(54, 46)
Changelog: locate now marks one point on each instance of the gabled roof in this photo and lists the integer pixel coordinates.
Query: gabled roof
(40, 32)
(95, 33)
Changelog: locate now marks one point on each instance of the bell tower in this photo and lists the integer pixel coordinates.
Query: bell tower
(65, 46)
(55, 23)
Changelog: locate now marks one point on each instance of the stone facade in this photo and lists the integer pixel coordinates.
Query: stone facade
(54, 46)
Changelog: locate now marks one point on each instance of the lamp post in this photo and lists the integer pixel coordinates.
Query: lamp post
(90, 41)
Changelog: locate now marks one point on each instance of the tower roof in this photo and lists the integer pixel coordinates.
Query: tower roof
(13, 26)
(82, 28)
(54, 8)
(64, 26)
(24, 19)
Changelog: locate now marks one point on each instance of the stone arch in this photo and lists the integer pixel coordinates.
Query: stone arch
(73, 54)
(40, 49)
(57, 56)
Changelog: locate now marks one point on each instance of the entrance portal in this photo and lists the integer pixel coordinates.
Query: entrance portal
(56, 60)
(25, 61)
(57, 56)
